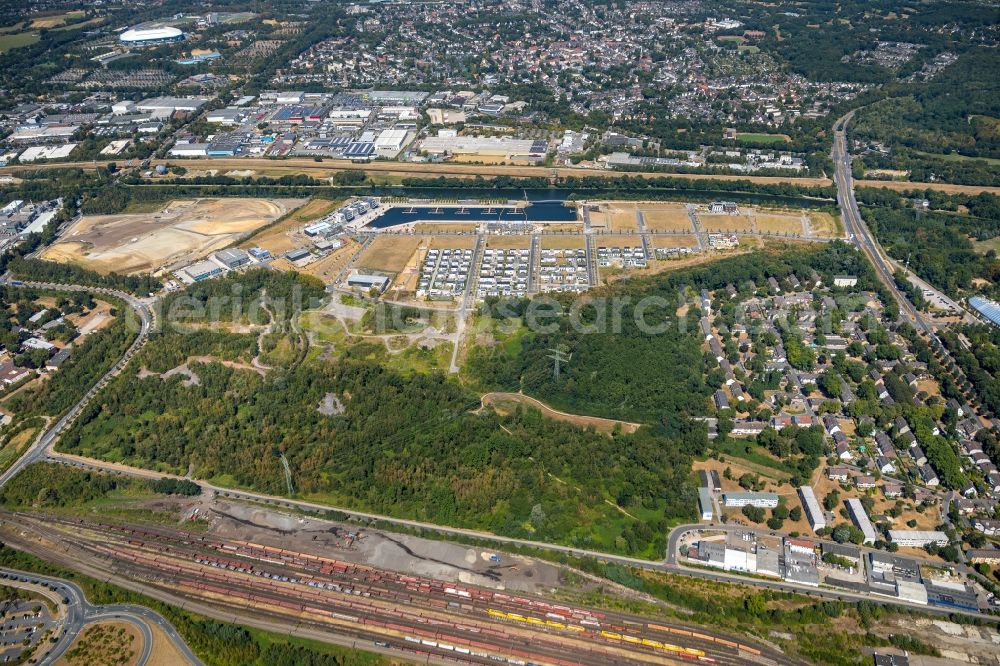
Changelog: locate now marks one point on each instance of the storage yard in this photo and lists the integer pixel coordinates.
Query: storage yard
(180, 232)
(460, 602)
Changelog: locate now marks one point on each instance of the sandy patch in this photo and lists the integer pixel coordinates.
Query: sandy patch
(181, 232)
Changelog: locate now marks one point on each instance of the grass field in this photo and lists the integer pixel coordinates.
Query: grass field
(599, 219)
(947, 188)
(598, 424)
(722, 222)
(56, 19)
(825, 225)
(955, 157)
(675, 241)
(17, 40)
(622, 218)
(778, 223)
(756, 137)
(389, 254)
(453, 242)
(667, 217)
(562, 242)
(510, 242)
(438, 227)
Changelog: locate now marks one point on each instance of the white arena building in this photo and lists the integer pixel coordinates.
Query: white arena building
(140, 36)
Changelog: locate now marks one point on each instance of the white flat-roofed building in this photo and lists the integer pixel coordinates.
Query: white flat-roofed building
(46, 152)
(189, 150)
(814, 512)
(761, 500)
(477, 145)
(705, 503)
(170, 104)
(391, 140)
(860, 518)
(917, 538)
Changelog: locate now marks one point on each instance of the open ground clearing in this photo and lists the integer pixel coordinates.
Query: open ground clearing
(453, 243)
(510, 242)
(164, 652)
(439, 227)
(326, 268)
(675, 241)
(621, 217)
(904, 186)
(599, 424)
(562, 242)
(55, 20)
(779, 223)
(389, 253)
(666, 217)
(181, 232)
(17, 40)
(713, 222)
(754, 137)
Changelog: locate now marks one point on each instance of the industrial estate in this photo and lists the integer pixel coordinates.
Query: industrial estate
(542, 333)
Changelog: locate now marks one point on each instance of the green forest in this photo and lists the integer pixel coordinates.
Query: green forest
(418, 444)
(630, 374)
(937, 245)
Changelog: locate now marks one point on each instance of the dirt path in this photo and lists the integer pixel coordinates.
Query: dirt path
(598, 423)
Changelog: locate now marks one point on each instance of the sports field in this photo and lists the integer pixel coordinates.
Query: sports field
(178, 233)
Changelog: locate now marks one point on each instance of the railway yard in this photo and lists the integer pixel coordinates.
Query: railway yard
(431, 619)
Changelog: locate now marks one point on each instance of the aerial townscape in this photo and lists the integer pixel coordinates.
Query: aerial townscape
(528, 332)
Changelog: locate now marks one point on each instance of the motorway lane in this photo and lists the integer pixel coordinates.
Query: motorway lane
(862, 236)
(81, 612)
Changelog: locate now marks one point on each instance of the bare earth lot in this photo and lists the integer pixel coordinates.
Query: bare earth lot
(181, 232)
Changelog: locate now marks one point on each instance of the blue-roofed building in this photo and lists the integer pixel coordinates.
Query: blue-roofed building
(360, 150)
(987, 308)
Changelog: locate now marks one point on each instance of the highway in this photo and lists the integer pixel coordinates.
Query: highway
(80, 613)
(861, 235)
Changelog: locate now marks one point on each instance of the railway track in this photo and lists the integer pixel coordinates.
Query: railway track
(389, 607)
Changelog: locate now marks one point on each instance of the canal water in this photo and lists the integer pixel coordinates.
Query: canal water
(536, 211)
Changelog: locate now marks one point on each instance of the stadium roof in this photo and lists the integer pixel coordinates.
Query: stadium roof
(150, 34)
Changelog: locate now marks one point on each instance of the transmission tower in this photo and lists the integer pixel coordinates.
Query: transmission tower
(558, 356)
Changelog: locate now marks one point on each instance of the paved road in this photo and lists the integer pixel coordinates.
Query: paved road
(81, 612)
(48, 438)
(861, 235)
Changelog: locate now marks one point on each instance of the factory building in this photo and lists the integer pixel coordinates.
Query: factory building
(233, 258)
(364, 281)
